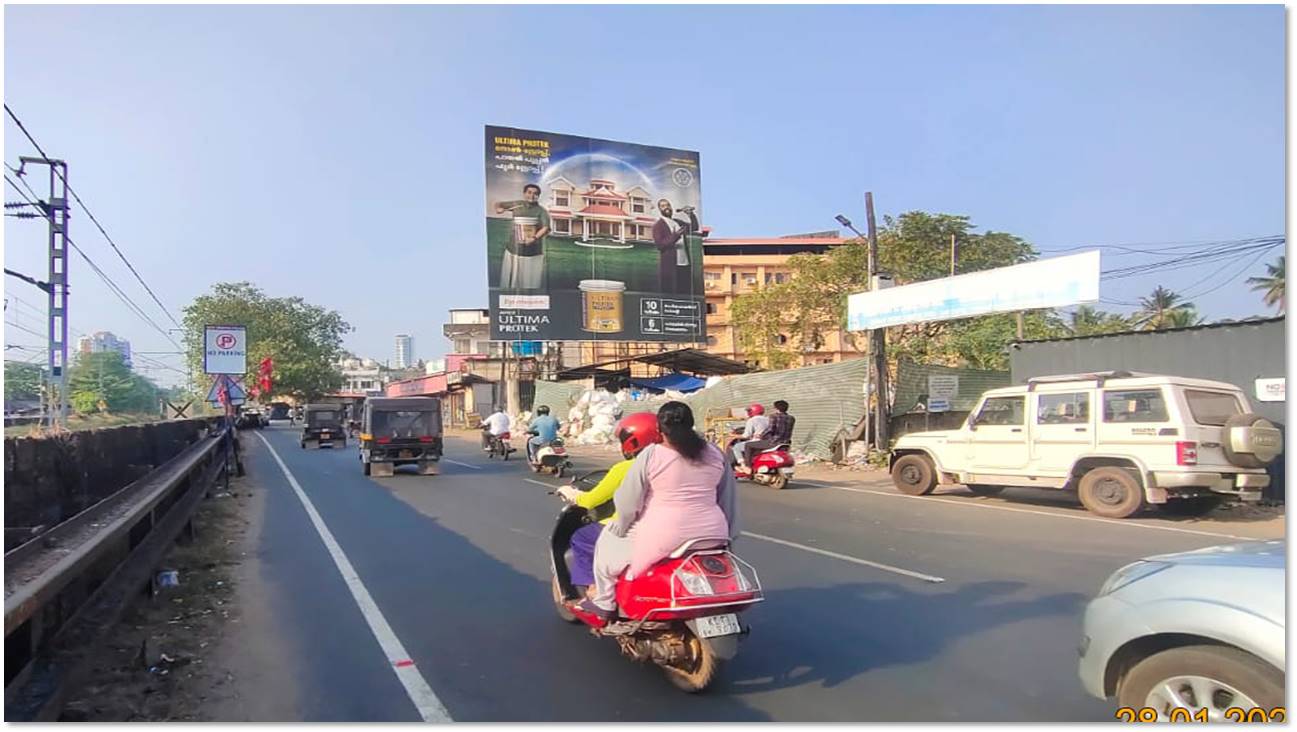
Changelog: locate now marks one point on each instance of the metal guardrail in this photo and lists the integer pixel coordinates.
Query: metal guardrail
(67, 586)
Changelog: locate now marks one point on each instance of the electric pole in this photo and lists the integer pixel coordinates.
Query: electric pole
(56, 211)
(877, 338)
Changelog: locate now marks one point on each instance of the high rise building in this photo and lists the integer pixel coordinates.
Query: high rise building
(105, 341)
(404, 351)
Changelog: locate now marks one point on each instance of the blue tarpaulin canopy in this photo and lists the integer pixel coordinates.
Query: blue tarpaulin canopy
(675, 382)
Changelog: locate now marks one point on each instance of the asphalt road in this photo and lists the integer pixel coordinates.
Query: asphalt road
(453, 572)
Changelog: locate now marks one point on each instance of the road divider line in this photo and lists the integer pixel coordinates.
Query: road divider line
(537, 482)
(421, 694)
(465, 465)
(1116, 522)
(845, 558)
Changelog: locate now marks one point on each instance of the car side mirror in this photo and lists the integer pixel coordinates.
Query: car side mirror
(972, 423)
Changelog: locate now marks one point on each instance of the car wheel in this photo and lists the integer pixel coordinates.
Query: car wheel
(914, 475)
(1111, 492)
(1196, 678)
(985, 490)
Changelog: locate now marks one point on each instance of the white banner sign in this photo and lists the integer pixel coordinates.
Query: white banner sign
(942, 389)
(1271, 390)
(225, 349)
(1046, 283)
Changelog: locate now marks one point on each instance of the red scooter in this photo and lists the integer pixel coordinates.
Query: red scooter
(772, 467)
(682, 614)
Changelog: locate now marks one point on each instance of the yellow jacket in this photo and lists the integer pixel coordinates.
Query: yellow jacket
(603, 492)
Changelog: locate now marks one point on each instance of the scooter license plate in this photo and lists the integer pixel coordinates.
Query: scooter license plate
(714, 626)
(407, 453)
(786, 471)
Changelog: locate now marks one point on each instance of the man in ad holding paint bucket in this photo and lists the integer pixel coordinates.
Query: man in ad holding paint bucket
(605, 243)
(523, 267)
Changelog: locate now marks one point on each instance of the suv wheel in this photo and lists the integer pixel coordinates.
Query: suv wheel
(914, 475)
(1194, 678)
(1111, 492)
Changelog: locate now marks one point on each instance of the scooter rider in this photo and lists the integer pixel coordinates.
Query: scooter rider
(778, 432)
(545, 430)
(754, 429)
(494, 426)
(635, 432)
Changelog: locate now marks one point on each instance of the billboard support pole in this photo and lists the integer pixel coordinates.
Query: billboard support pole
(878, 338)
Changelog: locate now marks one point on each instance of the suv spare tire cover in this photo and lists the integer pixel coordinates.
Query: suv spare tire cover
(1251, 441)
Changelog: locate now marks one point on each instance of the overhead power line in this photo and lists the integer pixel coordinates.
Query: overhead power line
(94, 220)
(113, 286)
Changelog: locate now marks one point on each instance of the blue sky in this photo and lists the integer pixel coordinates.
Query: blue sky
(336, 152)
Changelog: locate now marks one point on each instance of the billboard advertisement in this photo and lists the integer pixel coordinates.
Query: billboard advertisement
(1046, 283)
(592, 240)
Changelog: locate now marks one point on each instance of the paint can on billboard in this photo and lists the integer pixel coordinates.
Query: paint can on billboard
(601, 305)
(524, 230)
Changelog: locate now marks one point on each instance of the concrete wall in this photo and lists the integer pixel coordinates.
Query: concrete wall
(50, 479)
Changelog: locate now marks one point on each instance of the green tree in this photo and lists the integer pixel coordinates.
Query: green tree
(1087, 320)
(22, 381)
(1184, 317)
(1156, 311)
(1272, 284)
(912, 247)
(304, 340)
(104, 377)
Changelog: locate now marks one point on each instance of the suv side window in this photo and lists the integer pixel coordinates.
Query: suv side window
(1212, 407)
(1134, 405)
(1070, 408)
(1002, 411)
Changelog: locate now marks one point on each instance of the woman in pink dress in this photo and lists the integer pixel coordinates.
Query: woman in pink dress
(675, 491)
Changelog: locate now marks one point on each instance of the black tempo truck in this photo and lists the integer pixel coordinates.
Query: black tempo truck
(322, 425)
(400, 431)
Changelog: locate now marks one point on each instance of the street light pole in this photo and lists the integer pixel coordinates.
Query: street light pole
(878, 338)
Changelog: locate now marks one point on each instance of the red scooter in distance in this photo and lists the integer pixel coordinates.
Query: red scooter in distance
(772, 467)
(682, 614)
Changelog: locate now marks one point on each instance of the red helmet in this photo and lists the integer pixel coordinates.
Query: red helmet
(636, 432)
(755, 409)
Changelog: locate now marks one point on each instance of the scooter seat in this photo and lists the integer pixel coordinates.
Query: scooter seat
(776, 448)
(698, 544)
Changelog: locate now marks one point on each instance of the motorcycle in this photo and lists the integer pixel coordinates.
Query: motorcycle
(772, 466)
(682, 614)
(551, 457)
(500, 445)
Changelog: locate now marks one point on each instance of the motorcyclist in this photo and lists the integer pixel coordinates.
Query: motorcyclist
(779, 431)
(544, 428)
(635, 432)
(754, 429)
(494, 426)
(675, 491)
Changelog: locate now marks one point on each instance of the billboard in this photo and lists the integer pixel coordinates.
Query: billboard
(1046, 283)
(225, 349)
(592, 240)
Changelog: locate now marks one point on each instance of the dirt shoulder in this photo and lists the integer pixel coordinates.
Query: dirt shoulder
(182, 655)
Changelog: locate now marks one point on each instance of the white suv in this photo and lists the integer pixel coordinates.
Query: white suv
(1121, 440)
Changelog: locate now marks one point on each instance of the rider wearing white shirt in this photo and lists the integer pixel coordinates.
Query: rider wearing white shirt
(494, 426)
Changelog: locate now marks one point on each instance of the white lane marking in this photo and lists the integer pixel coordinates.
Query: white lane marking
(425, 700)
(465, 465)
(846, 558)
(537, 482)
(1116, 522)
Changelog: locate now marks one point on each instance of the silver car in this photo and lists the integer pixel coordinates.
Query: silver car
(1199, 631)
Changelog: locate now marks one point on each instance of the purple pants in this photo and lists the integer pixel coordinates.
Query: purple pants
(582, 564)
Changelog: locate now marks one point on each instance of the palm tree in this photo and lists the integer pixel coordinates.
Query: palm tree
(1272, 283)
(1184, 317)
(1157, 307)
(1088, 320)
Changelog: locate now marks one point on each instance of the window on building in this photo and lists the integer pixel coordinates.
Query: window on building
(483, 347)
(750, 279)
(561, 198)
(781, 278)
(463, 345)
(562, 226)
(637, 205)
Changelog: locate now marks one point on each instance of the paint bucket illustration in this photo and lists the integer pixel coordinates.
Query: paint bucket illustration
(601, 305)
(524, 230)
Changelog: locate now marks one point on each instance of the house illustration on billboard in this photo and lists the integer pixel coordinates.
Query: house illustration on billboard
(599, 212)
